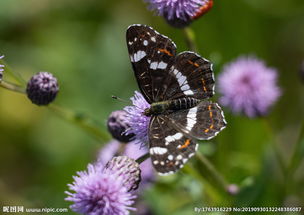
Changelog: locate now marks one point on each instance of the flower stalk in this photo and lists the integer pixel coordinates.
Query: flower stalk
(211, 173)
(12, 87)
(82, 121)
(143, 158)
(190, 38)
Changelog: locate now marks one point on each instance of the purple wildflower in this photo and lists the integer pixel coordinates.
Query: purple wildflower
(99, 192)
(180, 13)
(1, 68)
(248, 86)
(138, 122)
(233, 189)
(117, 125)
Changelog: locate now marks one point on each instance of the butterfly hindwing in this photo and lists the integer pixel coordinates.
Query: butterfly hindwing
(194, 77)
(202, 122)
(170, 149)
(151, 55)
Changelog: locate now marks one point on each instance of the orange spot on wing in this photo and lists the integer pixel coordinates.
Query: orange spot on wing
(186, 144)
(211, 115)
(204, 85)
(165, 51)
(192, 63)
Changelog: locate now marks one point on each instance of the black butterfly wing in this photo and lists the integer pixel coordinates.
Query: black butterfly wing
(151, 55)
(169, 149)
(202, 122)
(193, 77)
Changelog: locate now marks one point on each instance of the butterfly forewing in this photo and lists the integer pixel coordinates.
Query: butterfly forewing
(170, 149)
(202, 122)
(194, 77)
(151, 55)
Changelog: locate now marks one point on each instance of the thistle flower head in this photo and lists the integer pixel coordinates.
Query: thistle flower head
(127, 168)
(247, 85)
(99, 192)
(117, 126)
(42, 88)
(1, 69)
(180, 13)
(138, 122)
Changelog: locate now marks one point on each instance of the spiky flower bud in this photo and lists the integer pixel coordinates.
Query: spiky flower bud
(117, 126)
(127, 168)
(42, 88)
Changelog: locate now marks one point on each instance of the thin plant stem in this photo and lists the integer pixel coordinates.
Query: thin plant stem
(142, 158)
(12, 87)
(277, 152)
(13, 74)
(298, 153)
(81, 121)
(210, 171)
(190, 38)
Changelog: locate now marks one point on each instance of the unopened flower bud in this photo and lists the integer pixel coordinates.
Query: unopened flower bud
(127, 168)
(117, 126)
(42, 88)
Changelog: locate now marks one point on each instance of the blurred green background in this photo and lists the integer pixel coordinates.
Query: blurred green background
(82, 42)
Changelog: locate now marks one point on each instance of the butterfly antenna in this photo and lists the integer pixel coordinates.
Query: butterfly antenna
(120, 99)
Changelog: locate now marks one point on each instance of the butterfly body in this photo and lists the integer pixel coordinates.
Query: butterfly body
(167, 107)
(176, 86)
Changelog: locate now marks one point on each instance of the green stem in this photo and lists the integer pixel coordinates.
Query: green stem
(13, 74)
(190, 38)
(81, 121)
(298, 153)
(276, 149)
(211, 173)
(12, 87)
(142, 158)
(78, 119)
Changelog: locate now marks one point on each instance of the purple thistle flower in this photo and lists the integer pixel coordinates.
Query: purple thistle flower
(1, 68)
(99, 192)
(138, 122)
(180, 13)
(248, 86)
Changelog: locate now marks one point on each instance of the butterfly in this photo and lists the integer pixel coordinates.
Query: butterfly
(176, 86)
